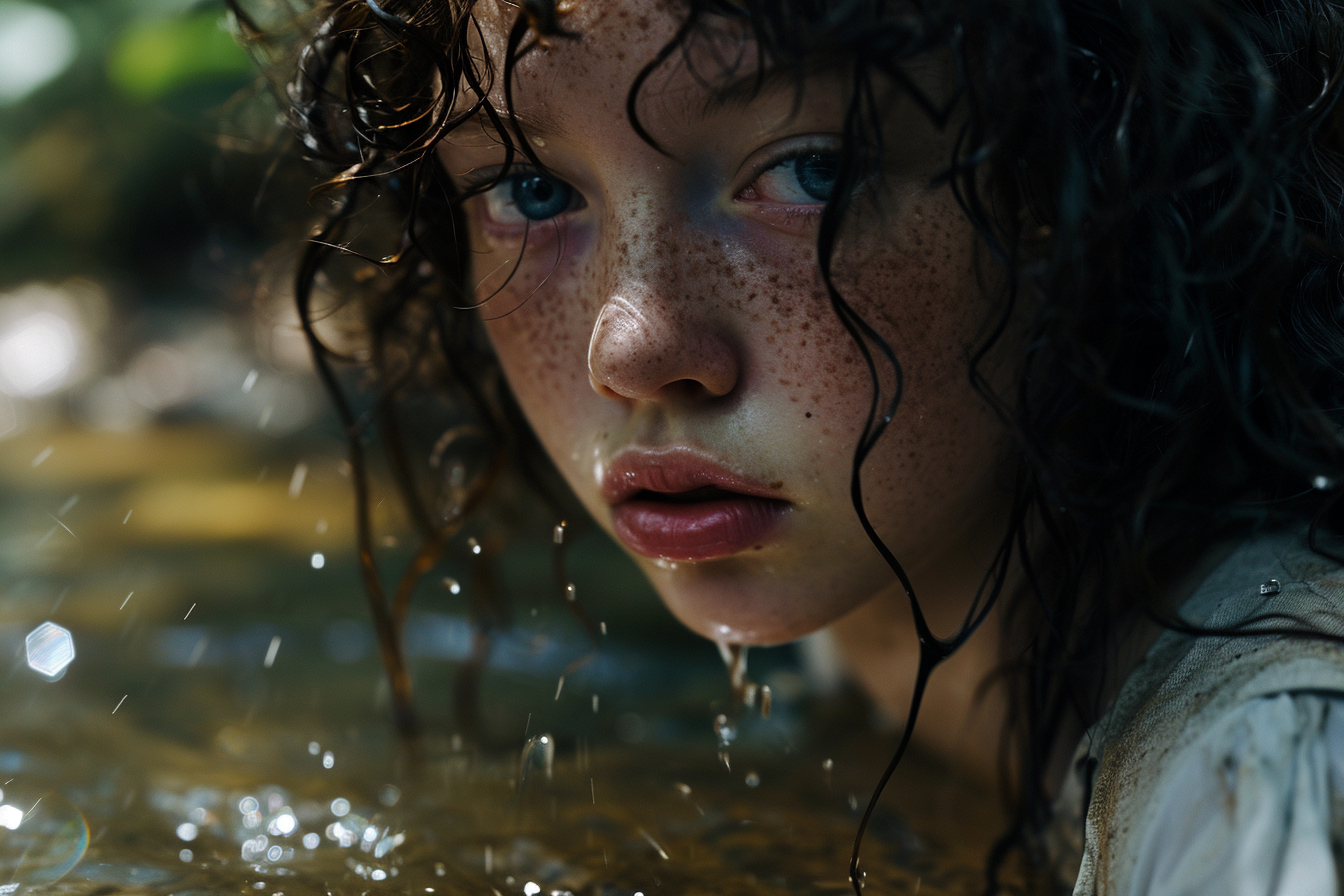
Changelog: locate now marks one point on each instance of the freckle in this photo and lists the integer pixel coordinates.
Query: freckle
(808, 414)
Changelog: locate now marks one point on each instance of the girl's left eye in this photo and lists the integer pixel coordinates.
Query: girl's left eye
(807, 179)
(528, 196)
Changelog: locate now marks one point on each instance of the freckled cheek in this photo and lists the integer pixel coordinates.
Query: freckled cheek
(925, 299)
(539, 323)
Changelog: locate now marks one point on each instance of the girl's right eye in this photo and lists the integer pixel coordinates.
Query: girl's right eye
(528, 196)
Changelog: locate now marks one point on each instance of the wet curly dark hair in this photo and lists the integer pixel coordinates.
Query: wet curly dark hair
(1161, 183)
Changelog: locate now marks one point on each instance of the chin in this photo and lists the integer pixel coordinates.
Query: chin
(755, 615)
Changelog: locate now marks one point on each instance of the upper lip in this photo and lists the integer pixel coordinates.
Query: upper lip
(673, 471)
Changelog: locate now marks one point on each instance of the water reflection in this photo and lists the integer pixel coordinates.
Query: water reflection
(42, 836)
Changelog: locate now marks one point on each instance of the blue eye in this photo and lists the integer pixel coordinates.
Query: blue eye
(802, 180)
(538, 197)
(529, 196)
(816, 174)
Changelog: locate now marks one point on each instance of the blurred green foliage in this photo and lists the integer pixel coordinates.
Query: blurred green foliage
(151, 59)
(125, 167)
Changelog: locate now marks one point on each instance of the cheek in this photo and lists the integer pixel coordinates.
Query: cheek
(539, 327)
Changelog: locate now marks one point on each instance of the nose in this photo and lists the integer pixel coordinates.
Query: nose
(651, 350)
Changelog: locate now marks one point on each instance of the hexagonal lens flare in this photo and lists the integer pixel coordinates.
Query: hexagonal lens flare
(50, 650)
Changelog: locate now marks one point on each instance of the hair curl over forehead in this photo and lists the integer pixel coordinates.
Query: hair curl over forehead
(1161, 183)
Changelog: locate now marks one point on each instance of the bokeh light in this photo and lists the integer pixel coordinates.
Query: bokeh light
(50, 650)
(37, 44)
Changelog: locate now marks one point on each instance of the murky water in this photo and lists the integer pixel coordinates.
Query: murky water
(221, 729)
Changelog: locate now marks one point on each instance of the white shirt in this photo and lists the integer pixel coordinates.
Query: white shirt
(1220, 767)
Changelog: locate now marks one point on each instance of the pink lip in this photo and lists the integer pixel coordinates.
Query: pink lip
(718, 526)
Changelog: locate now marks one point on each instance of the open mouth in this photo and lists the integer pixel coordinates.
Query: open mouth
(677, 504)
(693, 496)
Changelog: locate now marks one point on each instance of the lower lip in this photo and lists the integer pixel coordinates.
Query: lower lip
(703, 530)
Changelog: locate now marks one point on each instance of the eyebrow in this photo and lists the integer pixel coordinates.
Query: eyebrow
(737, 95)
(538, 123)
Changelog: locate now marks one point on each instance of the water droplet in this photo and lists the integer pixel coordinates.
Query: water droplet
(767, 701)
(328, 759)
(453, 586)
(558, 535)
(271, 652)
(378, 874)
(1322, 482)
(314, 748)
(318, 560)
(340, 807)
(389, 795)
(297, 479)
(274, 853)
(570, 594)
(283, 824)
(186, 831)
(1271, 587)
(725, 730)
(594, 703)
(311, 840)
(44, 837)
(248, 804)
(531, 889)
(753, 779)
(185, 855)
(538, 751)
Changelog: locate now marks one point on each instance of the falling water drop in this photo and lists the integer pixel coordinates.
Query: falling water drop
(726, 732)
(558, 535)
(539, 750)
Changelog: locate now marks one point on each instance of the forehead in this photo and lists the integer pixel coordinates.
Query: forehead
(611, 45)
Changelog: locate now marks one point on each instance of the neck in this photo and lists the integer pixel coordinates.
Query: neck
(964, 707)
(965, 704)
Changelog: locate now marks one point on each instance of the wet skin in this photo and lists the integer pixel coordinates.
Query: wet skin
(673, 310)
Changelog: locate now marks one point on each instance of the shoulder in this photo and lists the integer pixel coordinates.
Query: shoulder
(1205, 730)
(1246, 808)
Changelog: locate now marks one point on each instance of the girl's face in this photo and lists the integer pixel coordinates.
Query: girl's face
(662, 321)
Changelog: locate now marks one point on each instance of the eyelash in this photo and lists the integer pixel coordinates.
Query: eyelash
(482, 184)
